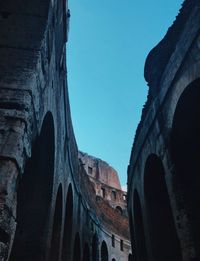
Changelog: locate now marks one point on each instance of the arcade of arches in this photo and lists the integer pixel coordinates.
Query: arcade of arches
(163, 174)
(60, 204)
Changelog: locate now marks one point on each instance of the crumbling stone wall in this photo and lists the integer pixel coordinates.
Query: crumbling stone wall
(110, 222)
(29, 83)
(105, 180)
(100, 170)
(163, 183)
(45, 209)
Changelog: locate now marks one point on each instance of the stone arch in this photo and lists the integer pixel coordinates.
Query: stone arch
(130, 257)
(119, 210)
(86, 253)
(95, 253)
(185, 146)
(57, 227)
(77, 248)
(141, 251)
(163, 236)
(34, 197)
(67, 236)
(104, 251)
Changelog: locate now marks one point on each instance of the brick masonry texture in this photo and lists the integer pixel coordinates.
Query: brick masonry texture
(48, 206)
(163, 183)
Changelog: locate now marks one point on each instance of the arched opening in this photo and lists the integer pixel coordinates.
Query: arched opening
(104, 252)
(95, 253)
(86, 253)
(130, 257)
(113, 259)
(113, 195)
(119, 210)
(77, 249)
(66, 249)
(163, 237)
(57, 226)
(34, 198)
(141, 252)
(185, 147)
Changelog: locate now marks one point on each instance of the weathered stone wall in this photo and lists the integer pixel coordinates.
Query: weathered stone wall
(115, 197)
(105, 180)
(45, 211)
(33, 98)
(107, 220)
(100, 170)
(162, 184)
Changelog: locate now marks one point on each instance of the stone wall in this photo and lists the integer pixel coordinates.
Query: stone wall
(105, 181)
(100, 170)
(163, 183)
(45, 208)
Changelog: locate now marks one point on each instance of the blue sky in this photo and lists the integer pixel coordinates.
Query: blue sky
(108, 43)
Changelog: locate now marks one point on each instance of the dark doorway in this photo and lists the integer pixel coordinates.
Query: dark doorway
(86, 253)
(77, 249)
(57, 226)
(163, 237)
(130, 257)
(34, 198)
(141, 252)
(95, 252)
(119, 210)
(185, 148)
(104, 252)
(66, 249)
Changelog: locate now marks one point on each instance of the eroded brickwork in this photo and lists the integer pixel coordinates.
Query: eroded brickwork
(163, 180)
(100, 170)
(48, 209)
(105, 181)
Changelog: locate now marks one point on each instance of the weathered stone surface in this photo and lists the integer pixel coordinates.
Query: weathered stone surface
(100, 170)
(163, 183)
(105, 181)
(48, 208)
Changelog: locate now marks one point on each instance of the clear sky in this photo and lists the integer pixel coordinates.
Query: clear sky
(108, 43)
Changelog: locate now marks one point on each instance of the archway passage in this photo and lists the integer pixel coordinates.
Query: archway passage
(141, 252)
(86, 253)
(95, 252)
(119, 210)
(77, 249)
(130, 257)
(66, 248)
(34, 198)
(104, 252)
(185, 148)
(57, 226)
(163, 237)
